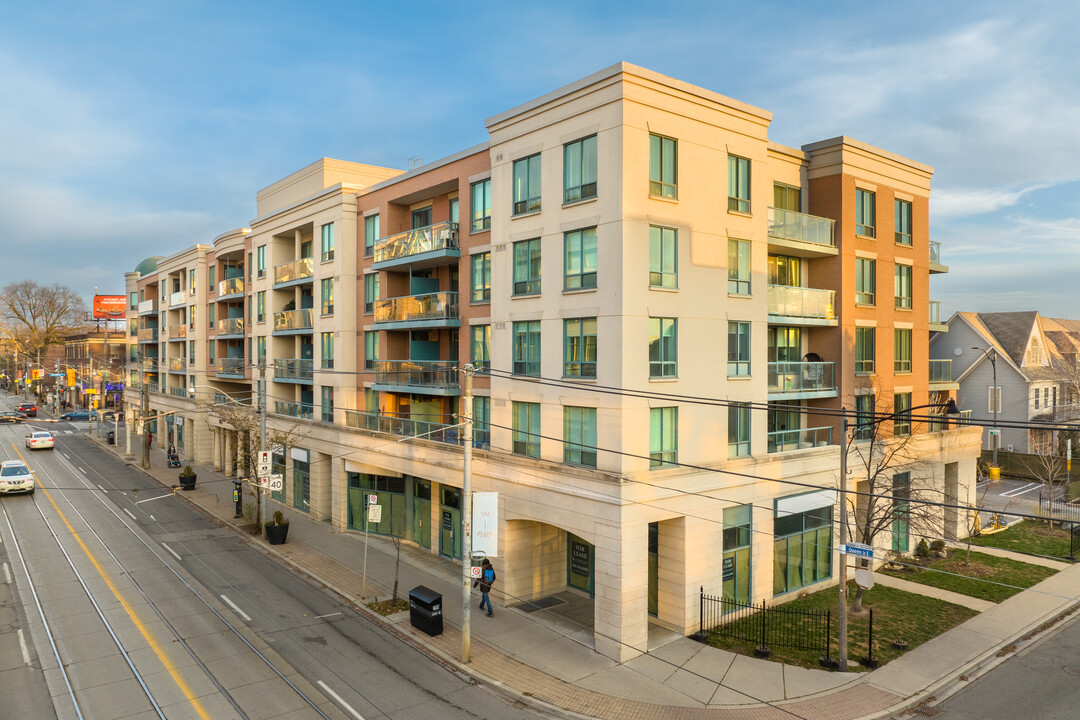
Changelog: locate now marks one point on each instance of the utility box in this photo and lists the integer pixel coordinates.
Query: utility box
(425, 610)
(111, 437)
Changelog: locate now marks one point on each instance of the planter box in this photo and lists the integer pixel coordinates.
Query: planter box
(276, 534)
(188, 483)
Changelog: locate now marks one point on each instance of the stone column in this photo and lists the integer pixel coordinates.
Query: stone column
(621, 587)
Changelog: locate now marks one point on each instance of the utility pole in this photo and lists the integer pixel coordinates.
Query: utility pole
(466, 540)
(262, 433)
(144, 390)
(842, 647)
(991, 355)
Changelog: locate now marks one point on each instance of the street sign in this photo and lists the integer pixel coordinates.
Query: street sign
(262, 468)
(374, 513)
(372, 499)
(264, 481)
(857, 549)
(56, 374)
(277, 482)
(993, 431)
(264, 457)
(864, 578)
(476, 571)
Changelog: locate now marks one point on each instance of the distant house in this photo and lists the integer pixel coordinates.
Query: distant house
(1037, 376)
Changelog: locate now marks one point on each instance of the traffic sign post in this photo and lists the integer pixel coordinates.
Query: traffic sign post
(277, 482)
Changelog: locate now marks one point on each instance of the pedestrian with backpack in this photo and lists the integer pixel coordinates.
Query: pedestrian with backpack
(485, 581)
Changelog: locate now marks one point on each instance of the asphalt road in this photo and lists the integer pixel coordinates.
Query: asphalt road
(180, 617)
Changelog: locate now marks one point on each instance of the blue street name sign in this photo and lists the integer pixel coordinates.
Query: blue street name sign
(857, 549)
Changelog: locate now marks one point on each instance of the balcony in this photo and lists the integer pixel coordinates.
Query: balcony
(421, 248)
(293, 322)
(147, 335)
(801, 306)
(406, 427)
(948, 424)
(177, 299)
(177, 332)
(935, 259)
(231, 289)
(431, 377)
(298, 272)
(180, 392)
(148, 365)
(294, 370)
(153, 388)
(304, 411)
(801, 380)
(232, 367)
(935, 317)
(799, 439)
(148, 307)
(177, 365)
(230, 327)
(941, 376)
(221, 398)
(438, 309)
(799, 234)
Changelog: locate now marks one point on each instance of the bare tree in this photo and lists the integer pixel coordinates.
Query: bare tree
(1046, 464)
(37, 316)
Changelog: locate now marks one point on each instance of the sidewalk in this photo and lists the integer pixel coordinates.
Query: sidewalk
(534, 662)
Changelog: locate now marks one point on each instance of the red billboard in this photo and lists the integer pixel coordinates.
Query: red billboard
(110, 307)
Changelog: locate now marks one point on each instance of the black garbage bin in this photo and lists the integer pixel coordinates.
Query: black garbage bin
(111, 437)
(425, 610)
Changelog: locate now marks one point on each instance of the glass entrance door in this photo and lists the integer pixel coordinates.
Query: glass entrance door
(421, 515)
(654, 568)
(450, 523)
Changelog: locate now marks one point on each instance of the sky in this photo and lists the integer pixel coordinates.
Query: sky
(141, 128)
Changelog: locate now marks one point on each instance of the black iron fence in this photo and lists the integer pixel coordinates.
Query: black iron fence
(767, 626)
(1058, 508)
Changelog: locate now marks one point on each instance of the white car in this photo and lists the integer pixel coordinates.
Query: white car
(15, 477)
(40, 439)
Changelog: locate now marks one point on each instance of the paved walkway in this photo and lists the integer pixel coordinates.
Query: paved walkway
(537, 663)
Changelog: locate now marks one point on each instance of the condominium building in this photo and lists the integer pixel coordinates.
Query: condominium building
(665, 312)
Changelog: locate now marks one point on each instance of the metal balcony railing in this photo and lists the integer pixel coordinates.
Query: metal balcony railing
(230, 326)
(417, 308)
(297, 270)
(294, 369)
(231, 366)
(180, 392)
(800, 439)
(802, 302)
(293, 320)
(941, 371)
(417, 373)
(440, 236)
(177, 332)
(796, 377)
(225, 399)
(404, 426)
(148, 307)
(148, 335)
(304, 411)
(232, 286)
(800, 227)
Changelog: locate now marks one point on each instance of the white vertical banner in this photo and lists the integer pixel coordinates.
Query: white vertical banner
(485, 523)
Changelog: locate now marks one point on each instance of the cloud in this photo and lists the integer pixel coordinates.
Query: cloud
(949, 203)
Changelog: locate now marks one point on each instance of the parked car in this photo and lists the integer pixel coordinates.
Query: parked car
(107, 416)
(15, 476)
(76, 415)
(28, 409)
(11, 416)
(40, 440)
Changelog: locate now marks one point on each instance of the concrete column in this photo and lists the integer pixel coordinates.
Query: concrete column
(229, 441)
(621, 585)
(691, 550)
(339, 496)
(321, 479)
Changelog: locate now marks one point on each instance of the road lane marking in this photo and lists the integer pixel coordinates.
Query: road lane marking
(103, 490)
(319, 617)
(66, 455)
(81, 470)
(25, 650)
(131, 514)
(7, 574)
(1015, 492)
(237, 610)
(172, 552)
(340, 702)
(158, 497)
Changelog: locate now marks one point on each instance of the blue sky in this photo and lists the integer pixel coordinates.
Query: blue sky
(140, 128)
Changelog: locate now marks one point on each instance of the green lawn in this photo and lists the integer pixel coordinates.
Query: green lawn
(897, 615)
(1029, 536)
(987, 577)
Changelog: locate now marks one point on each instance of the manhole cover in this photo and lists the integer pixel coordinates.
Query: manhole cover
(1072, 669)
(926, 711)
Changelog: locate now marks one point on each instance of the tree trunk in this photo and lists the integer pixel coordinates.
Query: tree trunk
(397, 566)
(856, 606)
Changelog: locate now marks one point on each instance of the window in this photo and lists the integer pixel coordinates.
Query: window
(864, 213)
(738, 349)
(421, 217)
(371, 234)
(903, 287)
(260, 260)
(211, 275)
(864, 350)
(326, 350)
(191, 354)
(527, 429)
(480, 277)
(527, 184)
(327, 404)
(902, 211)
(481, 205)
(738, 173)
(481, 421)
(787, 197)
(864, 416)
(663, 348)
(738, 273)
(527, 348)
(579, 260)
(802, 548)
(210, 308)
(738, 432)
(865, 281)
(993, 402)
(901, 511)
(784, 344)
(785, 270)
(579, 436)
(737, 543)
(902, 350)
(579, 170)
(454, 210)
(371, 350)
(663, 436)
(328, 242)
(251, 269)
(191, 317)
(210, 350)
(902, 413)
(481, 347)
(260, 305)
(579, 347)
(371, 291)
(527, 267)
(663, 249)
(261, 347)
(663, 167)
(191, 283)
(327, 287)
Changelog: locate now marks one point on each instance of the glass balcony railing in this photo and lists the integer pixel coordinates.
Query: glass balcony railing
(232, 286)
(304, 411)
(177, 364)
(439, 374)
(178, 298)
(148, 307)
(947, 422)
(299, 270)
(230, 326)
(180, 392)
(935, 253)
(941, 371)
(404, 426)
(293, 320)
(801, 377)
(935, 312)
(800, 227)
(177, 332)
(441, 236)
(802, 302)
(417, 308)
(800, 439)
(294, 369)
(231, 366)
(148, 335)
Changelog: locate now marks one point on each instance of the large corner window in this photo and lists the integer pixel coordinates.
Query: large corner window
(663, 167)
(527, 184)
(579, 170)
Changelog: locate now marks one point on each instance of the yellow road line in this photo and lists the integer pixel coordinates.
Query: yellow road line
(147, 635)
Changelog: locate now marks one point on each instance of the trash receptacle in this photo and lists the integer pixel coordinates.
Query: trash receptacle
(111, 437)
(425, 610)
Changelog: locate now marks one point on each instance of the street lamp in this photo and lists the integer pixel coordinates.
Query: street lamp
(991, 355)
(861, 422)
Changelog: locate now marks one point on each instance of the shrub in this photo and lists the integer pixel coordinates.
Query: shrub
(279, 518)
(187, 471)
(938, 546)
(922, 549)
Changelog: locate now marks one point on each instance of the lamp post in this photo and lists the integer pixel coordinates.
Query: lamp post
(991, 355)
(861, 422)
